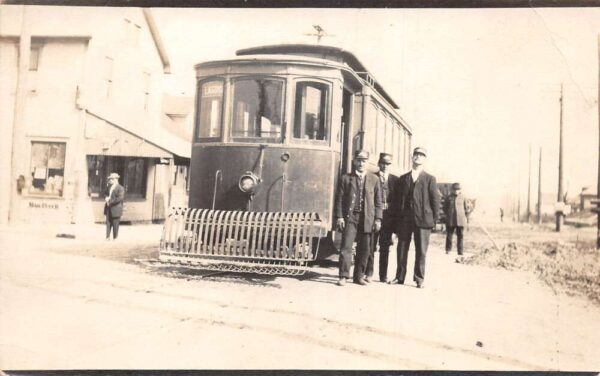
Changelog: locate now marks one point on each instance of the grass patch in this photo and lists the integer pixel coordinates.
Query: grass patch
(565, 266)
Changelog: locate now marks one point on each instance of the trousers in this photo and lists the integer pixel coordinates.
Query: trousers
(363, 239)
(384, 238)
(112, 222)
(421, 236)
(459, 238)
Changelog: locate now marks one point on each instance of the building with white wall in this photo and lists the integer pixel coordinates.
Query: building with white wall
(81, 97)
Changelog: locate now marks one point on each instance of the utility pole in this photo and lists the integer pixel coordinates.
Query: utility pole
(598, 188)
(539, 201)
(519, 196)
(559, 198)
(529, 188)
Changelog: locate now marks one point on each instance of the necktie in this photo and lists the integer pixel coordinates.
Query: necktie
(384, 193)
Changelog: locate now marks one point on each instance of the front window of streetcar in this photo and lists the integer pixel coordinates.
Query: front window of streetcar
(257, 109)
(310, 114)
(210, 108)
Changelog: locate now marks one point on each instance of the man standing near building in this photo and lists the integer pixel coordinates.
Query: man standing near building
(455, 209)
(113, 208)
(358, 211)
(418, 205)
(389, 184)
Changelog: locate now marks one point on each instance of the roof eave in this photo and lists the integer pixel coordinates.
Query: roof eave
(162, 52)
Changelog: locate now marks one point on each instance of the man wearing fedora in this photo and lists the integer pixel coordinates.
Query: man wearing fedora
(358, 211)
(417, 208)
(455, 209)
(113, 208)
(389, 184)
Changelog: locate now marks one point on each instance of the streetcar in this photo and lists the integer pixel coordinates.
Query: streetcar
(275, 127)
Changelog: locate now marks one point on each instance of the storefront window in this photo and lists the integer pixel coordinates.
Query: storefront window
(133, 174)
(47, 168)
(210, 109)
(310, 119)
(257, 109)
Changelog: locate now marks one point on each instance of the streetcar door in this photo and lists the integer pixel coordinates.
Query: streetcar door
(346, 160)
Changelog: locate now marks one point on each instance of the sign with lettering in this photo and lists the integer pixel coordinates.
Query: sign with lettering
(43, 205)
(214, 89)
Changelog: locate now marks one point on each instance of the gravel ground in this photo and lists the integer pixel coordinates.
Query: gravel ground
(85, 303)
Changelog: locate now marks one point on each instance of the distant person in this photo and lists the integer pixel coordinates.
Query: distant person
(456, 211)
(113, 208)
(358, 212)
(417, 208)
(501, 215)
(389, 183)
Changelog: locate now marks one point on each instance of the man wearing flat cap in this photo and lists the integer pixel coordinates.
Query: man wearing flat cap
(358, 213)
(456, 211)
(417, 208)
(113, 207)
(389, 184)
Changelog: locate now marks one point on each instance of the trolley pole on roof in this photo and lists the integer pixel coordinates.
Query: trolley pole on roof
(319, 34)
(559, 198)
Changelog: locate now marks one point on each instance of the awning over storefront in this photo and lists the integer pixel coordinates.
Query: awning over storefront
(105, 138)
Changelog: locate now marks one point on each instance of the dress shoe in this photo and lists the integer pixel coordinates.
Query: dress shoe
(420, 285)
(368, 279)
(360, 282)
(395, 281)
(341, 282)
(383, 280)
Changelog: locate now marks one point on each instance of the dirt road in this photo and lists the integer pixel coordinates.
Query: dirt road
(84, 304)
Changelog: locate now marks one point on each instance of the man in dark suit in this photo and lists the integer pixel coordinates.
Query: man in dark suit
(389, 184)
(113, 208)
(455, 209)
(418, 204)
(358, 211)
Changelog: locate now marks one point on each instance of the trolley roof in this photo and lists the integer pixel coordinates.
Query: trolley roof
(336, 54)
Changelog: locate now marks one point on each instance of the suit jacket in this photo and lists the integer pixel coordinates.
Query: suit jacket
(115, 201)
(348, 195)
(455, 206)
(426, 199)
(389, 213)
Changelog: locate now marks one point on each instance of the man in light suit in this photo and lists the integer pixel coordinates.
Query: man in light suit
(358, 211)
(389, 184)
(455, 208)
(113, 207)
(418, 205)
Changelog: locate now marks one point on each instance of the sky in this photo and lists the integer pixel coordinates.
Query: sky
(478, 86)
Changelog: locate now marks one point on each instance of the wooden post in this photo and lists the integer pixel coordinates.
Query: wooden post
(559, 198)
(18, 132)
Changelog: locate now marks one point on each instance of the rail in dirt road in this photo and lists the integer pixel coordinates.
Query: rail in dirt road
(384, 347)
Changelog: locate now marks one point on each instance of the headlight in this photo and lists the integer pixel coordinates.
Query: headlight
(248, 182)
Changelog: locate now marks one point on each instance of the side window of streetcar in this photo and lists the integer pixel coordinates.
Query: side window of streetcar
(210, 109)
(257, 108)
(310, 120)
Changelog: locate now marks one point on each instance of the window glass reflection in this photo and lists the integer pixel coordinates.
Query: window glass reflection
(257, 109)
(310, 114)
